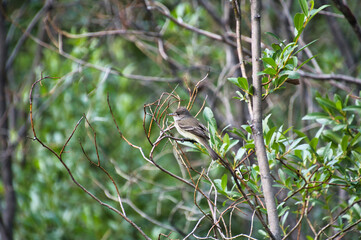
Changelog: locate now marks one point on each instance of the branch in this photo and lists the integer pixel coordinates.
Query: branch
(331, 76)
(197, 30)
(346, 11)
(48, 4)
(59, 157)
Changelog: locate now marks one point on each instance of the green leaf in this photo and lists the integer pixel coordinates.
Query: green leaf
(275, 36)
(283, 211)
(312, 3)
(291, 74)
(295, 143)
(240, 154)
(241, 96)
(276, 47)
(352, 108)
(218, 185)
(240, 82)
(327, 103)
(327, 151)
(356, 139)
(299, 50)
(281, 174)
(234, 81)
(209, 117)
(243, 83)
(339, 127)
(287, 50)
(319, 132)
(226, 139)
(316, 116)
(344, 142)
(339, 105)
(270, 61)
(293, 61)
(251, 90)
(239, 133)
(304, 6)
(315, 11)
(247, 128)
(232, 144)
(269, 136)
(254, 187)
(224, 182)
(331, 135)
(306, 61)
(299, 20)
(313, 143)
(269, 71)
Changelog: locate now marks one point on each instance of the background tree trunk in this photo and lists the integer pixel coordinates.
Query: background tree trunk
(9, 205)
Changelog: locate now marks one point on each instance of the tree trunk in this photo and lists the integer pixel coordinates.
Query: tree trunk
(266, 179)
(8, 210)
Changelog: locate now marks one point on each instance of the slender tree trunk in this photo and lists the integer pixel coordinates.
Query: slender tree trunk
(266, 179)
(8, 206)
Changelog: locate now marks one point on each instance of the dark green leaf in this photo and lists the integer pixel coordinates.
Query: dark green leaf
(239, 133)
(356, 139)
(275, 36)
(344, 142)
(314, 143)
(269, 135)
(276, 47)
(327, 103)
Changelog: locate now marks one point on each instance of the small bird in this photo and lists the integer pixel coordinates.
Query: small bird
(190, 127)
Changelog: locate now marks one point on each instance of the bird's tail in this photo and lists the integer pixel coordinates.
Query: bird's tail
(211, 152)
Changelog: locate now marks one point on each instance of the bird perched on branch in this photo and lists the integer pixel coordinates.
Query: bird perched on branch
(189, 127)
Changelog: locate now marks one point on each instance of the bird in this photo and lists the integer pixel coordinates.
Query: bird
(189, 127)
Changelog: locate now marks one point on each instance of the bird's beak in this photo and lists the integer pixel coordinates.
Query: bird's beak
(172, 114)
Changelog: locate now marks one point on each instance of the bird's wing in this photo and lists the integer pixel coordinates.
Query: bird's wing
(200, 130)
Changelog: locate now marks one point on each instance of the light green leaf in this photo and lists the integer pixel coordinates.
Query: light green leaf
(304, 6)
(270, 61)
(299, 50)
(243, 83)
(315, 11)
(299, 20)
(224, 182)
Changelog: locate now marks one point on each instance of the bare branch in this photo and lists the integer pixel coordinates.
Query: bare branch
(338, 77)
(59, 157)
(346, 11)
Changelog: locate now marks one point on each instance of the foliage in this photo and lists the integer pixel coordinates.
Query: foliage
(311, 172)
(74, 42)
